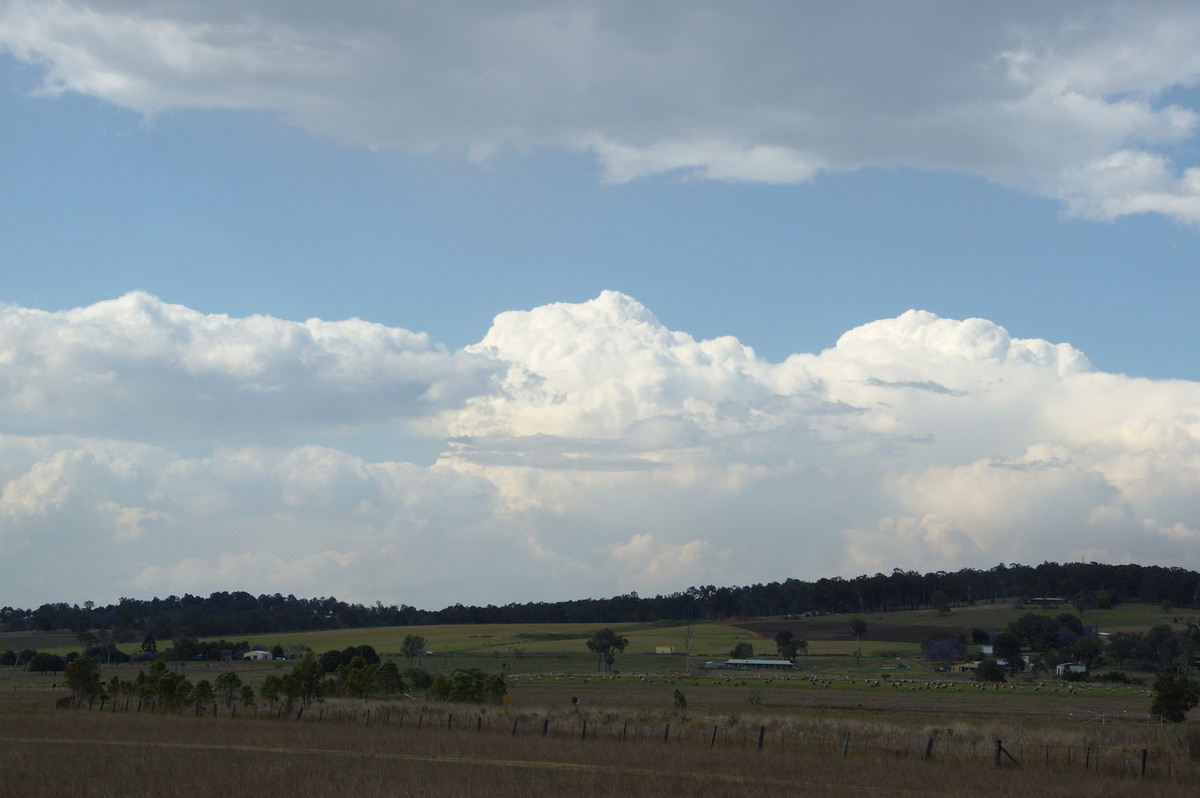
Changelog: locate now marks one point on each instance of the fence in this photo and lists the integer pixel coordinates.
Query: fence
(1111, 760)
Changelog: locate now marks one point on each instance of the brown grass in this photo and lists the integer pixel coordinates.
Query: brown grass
(418, 748)
(628, 749)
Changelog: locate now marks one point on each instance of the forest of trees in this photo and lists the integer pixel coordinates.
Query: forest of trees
(240, 613)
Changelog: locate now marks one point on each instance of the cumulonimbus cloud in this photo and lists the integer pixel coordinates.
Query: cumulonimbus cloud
(585, 446)
(1065, 100)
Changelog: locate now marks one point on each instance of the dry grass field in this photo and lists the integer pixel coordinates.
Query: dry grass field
(92, 753)
(758, 735)
(834, 728)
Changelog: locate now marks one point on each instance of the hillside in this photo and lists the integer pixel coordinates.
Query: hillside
(1087, 586)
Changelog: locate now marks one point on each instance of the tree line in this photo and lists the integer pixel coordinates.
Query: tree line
(241, 613)
(355, 672)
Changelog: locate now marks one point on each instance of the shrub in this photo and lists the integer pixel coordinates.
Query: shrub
(469, 685)
(1174, 695)
(989, 671)
(420, 679)
(43, 662)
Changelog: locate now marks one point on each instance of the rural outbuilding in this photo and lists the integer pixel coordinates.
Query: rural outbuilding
(752, 664)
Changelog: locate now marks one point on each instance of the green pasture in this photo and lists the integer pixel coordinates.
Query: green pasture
(516, 641)
(521, 644)
(511, 642)
(563, 647)
(59, 642)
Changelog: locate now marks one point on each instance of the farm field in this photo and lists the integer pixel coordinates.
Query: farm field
(909, 698)
(623, 738)
(833, 726)
(888, 634)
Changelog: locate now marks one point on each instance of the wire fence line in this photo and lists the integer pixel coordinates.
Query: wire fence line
(1125, 760)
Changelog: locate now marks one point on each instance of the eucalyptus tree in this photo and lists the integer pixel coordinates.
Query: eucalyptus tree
(605, 644)
(859, 627)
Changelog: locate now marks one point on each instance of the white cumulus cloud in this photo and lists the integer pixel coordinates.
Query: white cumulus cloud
(587, 449)
(142, 368)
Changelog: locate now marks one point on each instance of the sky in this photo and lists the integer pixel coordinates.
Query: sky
(487, 303)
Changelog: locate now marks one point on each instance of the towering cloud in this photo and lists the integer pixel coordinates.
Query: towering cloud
(148, 448)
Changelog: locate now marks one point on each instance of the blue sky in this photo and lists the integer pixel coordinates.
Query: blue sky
(786, 176)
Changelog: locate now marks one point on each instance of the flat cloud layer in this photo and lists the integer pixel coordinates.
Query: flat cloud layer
(1067, 100)
(146, 448)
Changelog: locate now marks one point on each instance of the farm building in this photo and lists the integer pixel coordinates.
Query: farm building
(1046, 601)
(664, 649)
(752, 664)
(257, 655)
(1070, 667)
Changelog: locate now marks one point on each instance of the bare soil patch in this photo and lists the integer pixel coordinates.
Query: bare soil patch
(839, 629)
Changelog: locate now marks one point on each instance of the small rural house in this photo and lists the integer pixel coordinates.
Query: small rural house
(257, 655)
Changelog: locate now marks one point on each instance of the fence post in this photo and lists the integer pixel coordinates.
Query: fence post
(713, 740)
(997, 762)
(928, 749)
(762, 732)
(583, 733)
(624, 729)
(545, 726)
(667, 733)
(846, 745)
(514, 731)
